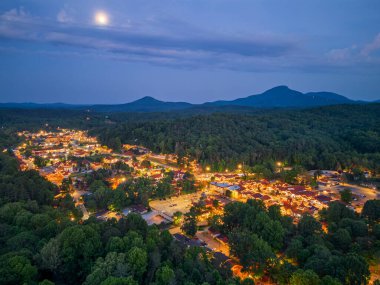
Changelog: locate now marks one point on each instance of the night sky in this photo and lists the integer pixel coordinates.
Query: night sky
(88, 51)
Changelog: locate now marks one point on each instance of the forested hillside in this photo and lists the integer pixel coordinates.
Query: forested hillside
(334, 137)
(326, 138)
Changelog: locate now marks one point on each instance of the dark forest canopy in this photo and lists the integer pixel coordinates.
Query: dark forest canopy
(334, 137)
(325, 138)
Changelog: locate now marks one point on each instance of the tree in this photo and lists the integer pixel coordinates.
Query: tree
(376, 231)
(79, 246)
(307, 277)
(165, 276)
(119, 281)
(346, 195)
(50, 255)
(177, 218)
(40, 162)
(145, 163)
(119, 200)
(371, 210)
(164, 188)
(66, 183)
(356, 228)
(46, 282)
(274, 212)
(190, 224)
(328, 280)
(335, 212)
(248, 281)
(16, 269)
(294, 248)
(356, 269)
(341, 239)
(215, 203)
(137, 262)
(308, 225)
(113, 265)
(97, 185)
(254, 253)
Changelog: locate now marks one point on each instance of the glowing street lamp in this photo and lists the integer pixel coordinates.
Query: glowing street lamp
(240, 166)
(208, 168)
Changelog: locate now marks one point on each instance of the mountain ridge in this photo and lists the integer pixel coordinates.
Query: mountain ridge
(277, 97)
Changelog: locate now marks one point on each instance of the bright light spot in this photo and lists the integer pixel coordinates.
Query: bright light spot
(101, 18)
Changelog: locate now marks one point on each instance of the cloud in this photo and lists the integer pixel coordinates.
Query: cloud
(341, 54)
(371, 47)
(63, 16)
(145, 40)
(360, 56)
(112, 36)
(172, 42)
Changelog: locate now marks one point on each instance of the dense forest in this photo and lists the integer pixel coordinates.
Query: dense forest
(267, 242)
(43, 241)
(335, 137)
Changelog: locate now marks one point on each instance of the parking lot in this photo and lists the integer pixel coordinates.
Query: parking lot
(362, 193)
(172, 205)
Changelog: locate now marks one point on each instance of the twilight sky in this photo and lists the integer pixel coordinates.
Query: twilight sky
(117, 51)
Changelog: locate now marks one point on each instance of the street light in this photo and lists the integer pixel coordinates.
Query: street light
(208, 168)
(240, 166)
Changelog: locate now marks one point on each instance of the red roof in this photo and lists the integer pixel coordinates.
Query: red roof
(323, 198)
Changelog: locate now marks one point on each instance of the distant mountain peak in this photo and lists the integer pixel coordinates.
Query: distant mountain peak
(277, 97)
(279, 87)
(283, 89)
(284, 97)
(147, 99)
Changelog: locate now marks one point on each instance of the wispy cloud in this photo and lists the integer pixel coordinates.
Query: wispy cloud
(148, 42)
(64, 17)
(173, 42)
(356, 55)
(372, 46)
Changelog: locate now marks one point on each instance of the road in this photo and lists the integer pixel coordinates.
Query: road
(160, 162)
(86, 215)
(76, 194)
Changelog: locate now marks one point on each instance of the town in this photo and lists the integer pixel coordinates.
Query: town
(82, 168)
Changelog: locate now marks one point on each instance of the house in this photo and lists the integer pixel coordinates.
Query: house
(139, 209)
(323, 199)
(96, 165)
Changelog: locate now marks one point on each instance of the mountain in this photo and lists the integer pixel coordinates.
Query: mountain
(40, 106)
(146, 104)
(284, 97)
(277, 97)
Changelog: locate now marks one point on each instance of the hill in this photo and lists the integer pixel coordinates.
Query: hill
(284, 97)
(277, 97)
(145, 104)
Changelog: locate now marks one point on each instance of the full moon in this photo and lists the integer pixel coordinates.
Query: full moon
(101, 18)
